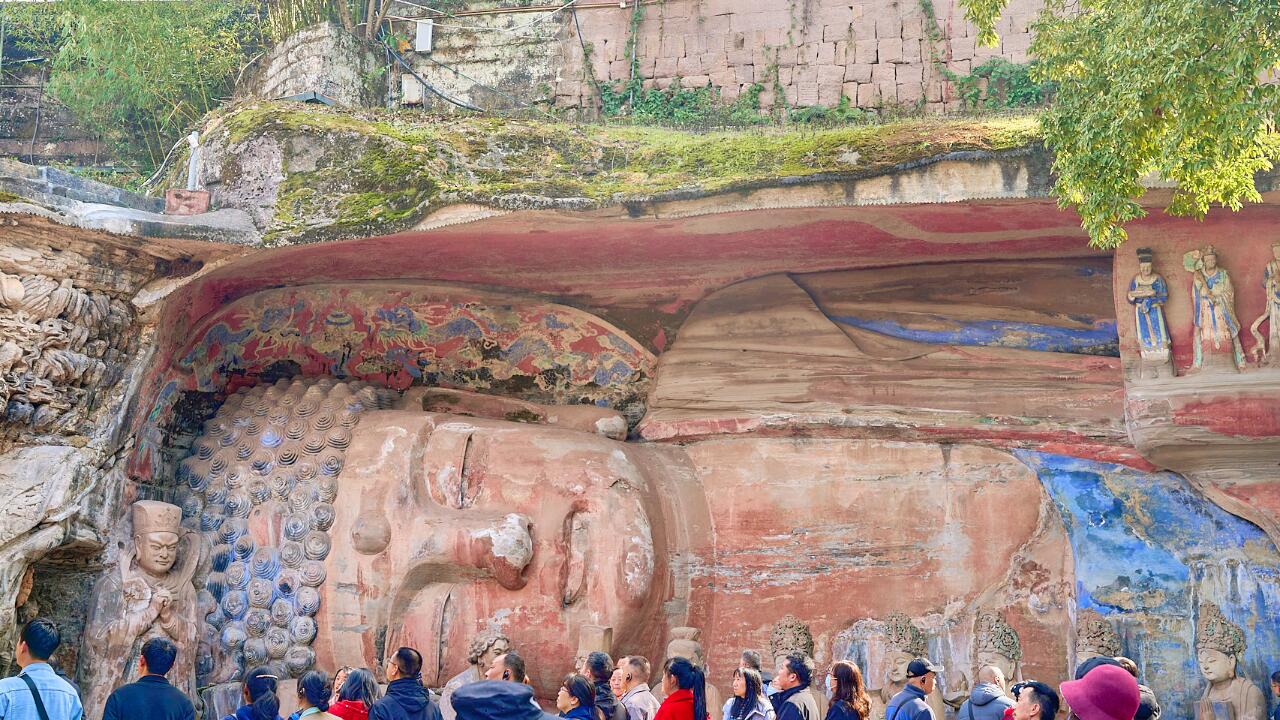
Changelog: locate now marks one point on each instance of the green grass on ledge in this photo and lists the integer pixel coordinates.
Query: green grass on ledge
(378, 170)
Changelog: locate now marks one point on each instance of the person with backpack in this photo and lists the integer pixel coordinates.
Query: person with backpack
(987, 700)
(38, 693)
(910, 703)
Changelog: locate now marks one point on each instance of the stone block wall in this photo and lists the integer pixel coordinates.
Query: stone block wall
(878, 53)
(324, 59)
(36, 128)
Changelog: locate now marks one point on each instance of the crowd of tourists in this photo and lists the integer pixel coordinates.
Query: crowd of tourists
(599, 689)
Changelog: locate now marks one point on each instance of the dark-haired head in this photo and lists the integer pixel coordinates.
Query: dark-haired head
(849, 687)
(260, 692)
(407, 663)
(684, 675)
(801, 666)
(159, 653)
(577, 692)
(313, 690)
(599, 667)
(41, 638)
(1275, 678)
(1037, 693)
(360, 685)
(513, 667)
(752, 688)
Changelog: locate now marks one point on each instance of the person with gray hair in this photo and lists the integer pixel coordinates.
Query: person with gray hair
(638, 700)
(987, 700)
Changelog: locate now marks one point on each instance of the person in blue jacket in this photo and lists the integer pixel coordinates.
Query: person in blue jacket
(405, 698)
(987, 700)
(910, 703)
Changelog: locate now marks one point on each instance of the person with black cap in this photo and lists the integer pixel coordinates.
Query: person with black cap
(910, 703)
(497, 700)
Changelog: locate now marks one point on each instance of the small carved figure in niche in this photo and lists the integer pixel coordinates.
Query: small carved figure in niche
(1213, 306)
(484, 648)
(1219, 646)
(1095, 637)
(1267, 350)
(906, 642)
(1148, 292)
(150, 594)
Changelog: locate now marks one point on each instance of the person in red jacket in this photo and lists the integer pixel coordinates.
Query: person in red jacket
(686, 689)
(356, 695)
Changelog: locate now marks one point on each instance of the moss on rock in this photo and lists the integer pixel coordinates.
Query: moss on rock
(349, 173)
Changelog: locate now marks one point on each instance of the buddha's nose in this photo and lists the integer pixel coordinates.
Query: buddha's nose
(504, 546)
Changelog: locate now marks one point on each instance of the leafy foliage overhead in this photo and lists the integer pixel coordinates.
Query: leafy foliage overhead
(138, 73)
(1170, 87)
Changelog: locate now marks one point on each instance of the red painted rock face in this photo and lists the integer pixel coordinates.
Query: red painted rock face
(449, 525)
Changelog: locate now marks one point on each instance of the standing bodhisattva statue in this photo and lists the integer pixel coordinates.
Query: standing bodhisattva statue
(149, 594)
(1148, 292)
(1214, 307)
(1267, 349)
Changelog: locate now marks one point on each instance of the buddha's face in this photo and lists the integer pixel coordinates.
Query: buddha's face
(898, 662)
(1210, 262)
(1215, 665)
(479, 523)
(989, 657)
(157, 551)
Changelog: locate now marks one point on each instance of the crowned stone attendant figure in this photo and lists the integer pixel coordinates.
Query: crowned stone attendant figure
(905, 642)
(1214, 303)
(1219, 646)
(1267, 350)
(1095, 637)
(1148, 292)
(149, 594)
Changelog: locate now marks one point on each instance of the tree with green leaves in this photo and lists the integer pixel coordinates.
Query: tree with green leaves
(140, 74)
(1165, 87)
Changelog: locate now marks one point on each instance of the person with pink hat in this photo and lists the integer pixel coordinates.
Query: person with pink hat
(1107, 692)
